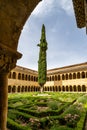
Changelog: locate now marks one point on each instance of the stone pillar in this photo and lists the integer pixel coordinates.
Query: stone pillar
(3, 100)
(8, 58)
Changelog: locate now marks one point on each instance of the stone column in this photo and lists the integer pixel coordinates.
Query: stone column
(8, 60)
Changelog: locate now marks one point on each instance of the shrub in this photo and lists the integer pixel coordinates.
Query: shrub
(53, 105)
(15, 126)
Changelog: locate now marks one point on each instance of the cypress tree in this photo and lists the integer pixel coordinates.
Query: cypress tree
(42, 63)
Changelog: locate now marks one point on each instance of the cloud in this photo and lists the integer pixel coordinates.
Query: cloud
(47, 6)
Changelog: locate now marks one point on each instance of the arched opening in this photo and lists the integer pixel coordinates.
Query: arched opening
(79, 88)
(59, 88)
(86, 74)
(14, 89)
(29, 77)
(50, 88)
(26, 77)
(19, 76)
(22, 89)
(74, 88)
(22, 76)
(63, 88)
(71, 89)
(66, 76)
(67, 88)
(19, 89)
(55, 77)
(26, 89)
(78, 75)
(63, 77)
(83, 74)
(58, 77)
(14, 75)
(70, 76)
(74, 75)
(53, 88)
(9, 89)
(34, 78)
(83, 88)
(56, 88)
(48, 79)
(52, 78)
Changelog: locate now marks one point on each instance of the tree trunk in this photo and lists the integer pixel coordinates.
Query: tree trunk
(41, 89)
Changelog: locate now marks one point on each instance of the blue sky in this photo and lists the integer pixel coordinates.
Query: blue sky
(67, 44)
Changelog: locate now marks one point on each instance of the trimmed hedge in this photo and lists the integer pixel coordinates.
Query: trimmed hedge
(14, 114)
(81, 123)
(15, 126)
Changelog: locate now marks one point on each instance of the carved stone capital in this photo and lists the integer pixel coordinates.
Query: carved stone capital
(8, 58)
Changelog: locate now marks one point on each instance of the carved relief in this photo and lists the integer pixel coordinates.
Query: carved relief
(8, 58)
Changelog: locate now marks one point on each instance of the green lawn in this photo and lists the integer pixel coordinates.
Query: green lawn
(47, 111)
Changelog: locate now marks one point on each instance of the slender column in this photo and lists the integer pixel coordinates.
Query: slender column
(3, 100)
(8, 58)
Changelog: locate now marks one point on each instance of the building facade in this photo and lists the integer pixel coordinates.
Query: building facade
(71, 78)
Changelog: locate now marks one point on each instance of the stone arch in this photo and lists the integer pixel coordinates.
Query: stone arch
(63, 88)
(14, 89)
(56, 88)
(51, 88)
(9, 89)
(34, 78)
(59, 88)
(66, 76)
(22, 89)
(14, 75)
(19, 89)
(50, 78)
(70, 88)
(70, 76)
(83, 74)
(19, 76)
(45, 88)
(26, 88)
(86, 74)
(55, 77)
(29, 89)
(78, 75)
(74, 88)
(83, 88)
(67, 89)
(29, 77)
(26, 77)
(11, 24)
(22, 76)
(63, 77)
(79, 88)
(58, 77)
(74, 75)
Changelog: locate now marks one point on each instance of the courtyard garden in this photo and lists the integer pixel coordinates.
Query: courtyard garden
(47, 111)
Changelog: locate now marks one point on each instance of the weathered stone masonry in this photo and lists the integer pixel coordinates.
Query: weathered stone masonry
(65, 79)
